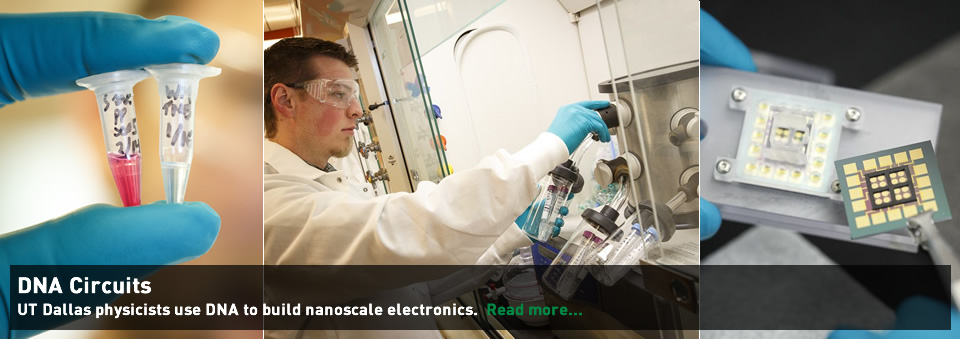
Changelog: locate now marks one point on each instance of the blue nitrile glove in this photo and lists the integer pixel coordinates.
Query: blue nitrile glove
(718, 47)
(155, 234)
(45, 53)
(709, 219)
(575, 121)
(912, 313)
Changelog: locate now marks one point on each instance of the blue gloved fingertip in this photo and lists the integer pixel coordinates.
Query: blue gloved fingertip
(719, 47)
(594, 104)
(709, 219)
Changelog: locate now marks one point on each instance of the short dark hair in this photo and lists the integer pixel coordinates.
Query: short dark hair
(286, 62)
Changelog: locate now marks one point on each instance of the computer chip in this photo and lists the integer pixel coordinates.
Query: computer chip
(787, 142)
(882, 190)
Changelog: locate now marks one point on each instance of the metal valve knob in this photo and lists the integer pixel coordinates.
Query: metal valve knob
(365, 150)
(365, 119)
(380, 175)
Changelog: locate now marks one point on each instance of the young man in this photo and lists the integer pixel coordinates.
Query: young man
(314, 216)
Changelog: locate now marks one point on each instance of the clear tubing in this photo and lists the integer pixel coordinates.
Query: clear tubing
(118, 118)
(676, 201)
(620, 198)
(178, 85)
(581, 150)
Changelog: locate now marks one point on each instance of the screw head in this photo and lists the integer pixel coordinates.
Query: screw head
(835, 186)
(853, 114)
(739, 94)
(724, 166)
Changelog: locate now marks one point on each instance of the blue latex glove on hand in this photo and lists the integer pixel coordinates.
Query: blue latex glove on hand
(155, 234)
(45, 53)
(575, 121)
(912, 313)
(709, 219)
(718, 47)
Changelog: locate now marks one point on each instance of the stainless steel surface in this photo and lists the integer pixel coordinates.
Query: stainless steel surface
(659, 95)
(778, 65)
(887, 122)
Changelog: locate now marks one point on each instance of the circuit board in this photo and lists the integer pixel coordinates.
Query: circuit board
(882, 190)
(787, 142)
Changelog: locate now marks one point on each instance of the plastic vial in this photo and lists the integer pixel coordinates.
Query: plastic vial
(118, 119)
(178, 85)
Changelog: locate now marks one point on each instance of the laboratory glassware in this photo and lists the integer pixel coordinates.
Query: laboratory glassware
(566, 272)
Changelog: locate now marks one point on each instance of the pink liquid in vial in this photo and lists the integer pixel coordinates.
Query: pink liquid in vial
(126, 174)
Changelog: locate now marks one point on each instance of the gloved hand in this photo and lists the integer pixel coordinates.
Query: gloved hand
(718, 47)
(575, 121)
(155, 234)
(912, 313)
(45, 53)
(709, 219)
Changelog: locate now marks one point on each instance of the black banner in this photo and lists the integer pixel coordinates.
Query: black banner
(639, 298)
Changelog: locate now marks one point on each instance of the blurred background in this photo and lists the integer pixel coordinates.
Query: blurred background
(53, 146)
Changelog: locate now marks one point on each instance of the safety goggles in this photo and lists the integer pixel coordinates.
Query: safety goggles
(335, 92)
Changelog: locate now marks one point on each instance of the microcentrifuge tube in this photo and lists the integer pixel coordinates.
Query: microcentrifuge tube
(118, 117)
(178, 86)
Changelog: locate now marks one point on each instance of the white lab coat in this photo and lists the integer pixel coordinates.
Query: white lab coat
(316, 218)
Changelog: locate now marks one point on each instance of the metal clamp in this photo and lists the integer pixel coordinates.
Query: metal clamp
(380, 175)
(365, 150)
(365, 119)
